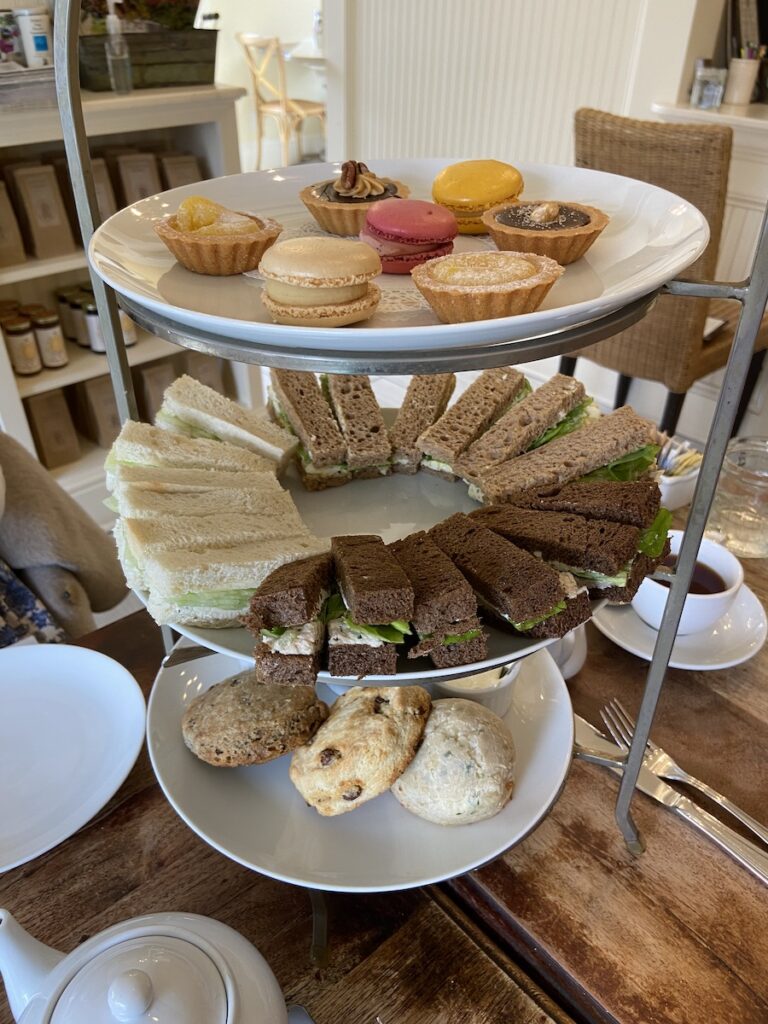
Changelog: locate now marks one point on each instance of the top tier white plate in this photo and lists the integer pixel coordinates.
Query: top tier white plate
(653, 235)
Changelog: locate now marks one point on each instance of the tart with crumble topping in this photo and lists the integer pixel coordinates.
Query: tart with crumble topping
(485, 285)
(341, 204)
(562, 231)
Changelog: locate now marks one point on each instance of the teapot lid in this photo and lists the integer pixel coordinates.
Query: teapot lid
(157, 978)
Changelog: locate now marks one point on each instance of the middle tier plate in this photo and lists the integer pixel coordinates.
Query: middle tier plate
(393, 507)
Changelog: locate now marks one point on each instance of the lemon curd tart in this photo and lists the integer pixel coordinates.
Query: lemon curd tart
(485, 285)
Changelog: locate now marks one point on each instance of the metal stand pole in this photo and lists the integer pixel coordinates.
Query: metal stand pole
(66, 68)
(753, 294)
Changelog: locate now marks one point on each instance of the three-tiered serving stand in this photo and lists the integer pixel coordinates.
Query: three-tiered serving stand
(493, 350)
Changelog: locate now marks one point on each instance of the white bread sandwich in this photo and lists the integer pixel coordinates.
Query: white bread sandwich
(213, 587)
(140, 445)
(619, 446)
(297, 403)
(484, 401)
(192, 409)
(425, 401)
(266, 499)
(169, 480)
(358, 414)
(558, 407)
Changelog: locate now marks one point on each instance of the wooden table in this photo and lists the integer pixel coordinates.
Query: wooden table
(677, 936)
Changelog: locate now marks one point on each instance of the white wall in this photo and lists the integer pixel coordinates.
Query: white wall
(289, 20)
(502, 78)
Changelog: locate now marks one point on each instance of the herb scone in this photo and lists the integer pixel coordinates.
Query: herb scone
(369, 739)
(464, 769)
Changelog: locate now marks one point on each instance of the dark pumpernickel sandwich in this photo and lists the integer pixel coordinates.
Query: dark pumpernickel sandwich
(371, 614)
(619, 446)
(286, 615)
(298, 404)
(514, 586)
(445, 607)
(553, 410)
(362, 425)
(484, 401)
(634, 502)
(599, 554)
(425, 401)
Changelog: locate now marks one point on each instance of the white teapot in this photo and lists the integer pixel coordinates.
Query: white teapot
(161, 968)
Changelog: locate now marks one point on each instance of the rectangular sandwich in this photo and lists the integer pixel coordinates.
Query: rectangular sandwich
(553, 410)
(194, 410)
(298, 404)
(444, 604)
(371, 613)
(619, 446)
(266, 498)
(358, 414)
(513, 586)
(142, 446)
(484, 401)
(287, 617)
(212, 587)
(170, 480)
(425, 401)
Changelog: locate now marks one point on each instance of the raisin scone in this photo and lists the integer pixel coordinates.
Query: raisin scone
(464, 769)
(243, 720)
(369, 739)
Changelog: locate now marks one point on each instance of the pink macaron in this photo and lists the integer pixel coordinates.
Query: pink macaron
(407, 232)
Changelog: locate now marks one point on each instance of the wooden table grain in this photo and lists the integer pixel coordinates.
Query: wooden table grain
(396, 958)
(680, 934)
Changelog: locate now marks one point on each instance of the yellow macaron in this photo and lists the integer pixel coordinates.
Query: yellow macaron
(471, 187)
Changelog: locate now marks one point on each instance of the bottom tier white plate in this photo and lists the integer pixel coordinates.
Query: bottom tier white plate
(256, 817)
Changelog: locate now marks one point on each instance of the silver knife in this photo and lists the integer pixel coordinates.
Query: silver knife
(591, 740)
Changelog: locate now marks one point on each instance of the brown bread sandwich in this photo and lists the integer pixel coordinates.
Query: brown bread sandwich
(425, 401)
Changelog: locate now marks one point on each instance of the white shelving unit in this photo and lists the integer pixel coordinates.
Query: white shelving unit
(197, 119)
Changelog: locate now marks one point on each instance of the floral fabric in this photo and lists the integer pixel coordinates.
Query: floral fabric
(22, 614)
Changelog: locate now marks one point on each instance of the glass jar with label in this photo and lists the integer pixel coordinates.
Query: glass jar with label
(22, 347)
(77, 313)
(739, 516)
(29, 309)
(63, 297)
(93, 326)
(50, 340)
(8, 307)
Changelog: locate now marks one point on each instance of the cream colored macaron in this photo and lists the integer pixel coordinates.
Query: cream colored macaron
(320, 282)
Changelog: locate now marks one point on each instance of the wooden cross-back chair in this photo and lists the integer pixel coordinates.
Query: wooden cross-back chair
(266, 63)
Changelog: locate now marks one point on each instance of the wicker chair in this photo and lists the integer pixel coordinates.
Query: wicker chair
(267, 67)
(668, 345)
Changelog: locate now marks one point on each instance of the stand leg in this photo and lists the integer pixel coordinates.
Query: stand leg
(567, 365)
(622, 390)
(754, 296)
(753, 374)
(672, 409)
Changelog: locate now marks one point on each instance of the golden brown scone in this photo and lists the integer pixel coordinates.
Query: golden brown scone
(244, 721)
(464, 769)
(369, 739)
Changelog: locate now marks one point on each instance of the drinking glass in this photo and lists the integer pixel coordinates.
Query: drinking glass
(740, 509)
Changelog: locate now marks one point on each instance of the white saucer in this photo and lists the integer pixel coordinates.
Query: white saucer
(256, 816)
(735, 638)
(71, 727)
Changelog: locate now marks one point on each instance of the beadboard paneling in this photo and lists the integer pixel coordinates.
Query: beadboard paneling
(486, 78)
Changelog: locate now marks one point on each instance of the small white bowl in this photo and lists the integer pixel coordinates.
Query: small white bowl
(677, 491)
(700, 611)
(497, 696)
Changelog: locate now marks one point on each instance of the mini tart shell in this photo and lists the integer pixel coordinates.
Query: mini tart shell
(343, 218)
(219, 255)
(336, 315)
(460, 303)
(564, 245)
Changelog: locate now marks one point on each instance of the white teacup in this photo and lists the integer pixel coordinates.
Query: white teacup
(700, 611)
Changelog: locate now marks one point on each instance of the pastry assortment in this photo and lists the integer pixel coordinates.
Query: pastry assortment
(207, 238)
(316, 281)
(449, 761)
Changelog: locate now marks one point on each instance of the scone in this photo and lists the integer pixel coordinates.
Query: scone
(464, 769)
(244, 721)
(369, 739)
(207, 238)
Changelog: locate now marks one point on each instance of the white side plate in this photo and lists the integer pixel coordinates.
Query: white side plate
(257, 817)
(71, 727)
(652, 236)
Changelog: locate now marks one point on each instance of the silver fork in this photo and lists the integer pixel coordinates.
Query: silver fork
(621, 727)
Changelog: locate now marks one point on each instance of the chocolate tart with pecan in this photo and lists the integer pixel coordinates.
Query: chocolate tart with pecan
(340, 205)
(562, 231)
